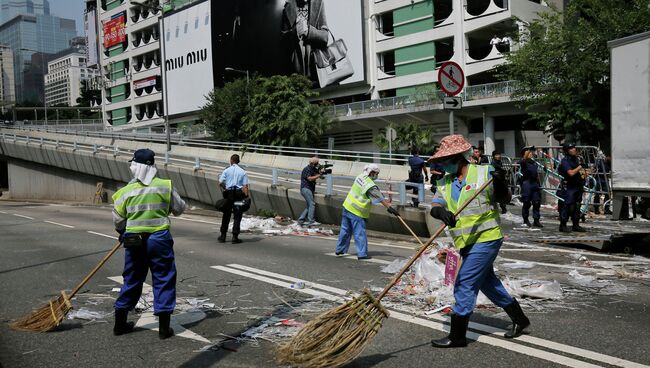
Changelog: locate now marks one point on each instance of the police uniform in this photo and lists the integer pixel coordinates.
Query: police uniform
(417, 164)
(531, 193)
(141, 216)
(478, 237)
(570, 192)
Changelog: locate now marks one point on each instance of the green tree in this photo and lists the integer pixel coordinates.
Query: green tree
(227, 106)
(562, 67)
(281, 114)
(408, 135)
(88, 95)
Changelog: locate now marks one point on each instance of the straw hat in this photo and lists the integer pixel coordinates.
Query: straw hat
(452, 145)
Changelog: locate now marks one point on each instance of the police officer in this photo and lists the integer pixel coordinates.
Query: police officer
(234, 186)
(418, 167)
(476, 234)
(141, 216)
(531, 192)
(498, 165)
(573, 186)
(356, 211)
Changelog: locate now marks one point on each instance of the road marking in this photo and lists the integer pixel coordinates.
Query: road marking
(23, 216)
(349, 256)
(570, 251)
(195, 220)
(370, 242)
(150, 322)
(509, 345)
(56, 223)
(569, 267)
(100, 234)
(4, 212)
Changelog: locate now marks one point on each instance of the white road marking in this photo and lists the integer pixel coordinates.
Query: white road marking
(150, 322)
(4, 212)
(23, 216)
(56, 223)
(195, 220)
(350, 256)
(100, 234)
(510, 345)
(570, 251)
(569, 267)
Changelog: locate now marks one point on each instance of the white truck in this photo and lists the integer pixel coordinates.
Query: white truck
(630, 108)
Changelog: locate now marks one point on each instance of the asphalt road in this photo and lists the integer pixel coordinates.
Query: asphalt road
(50, 247)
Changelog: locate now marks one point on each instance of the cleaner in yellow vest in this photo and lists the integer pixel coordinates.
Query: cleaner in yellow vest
(476, 234)
(356, 210)
(141, 215)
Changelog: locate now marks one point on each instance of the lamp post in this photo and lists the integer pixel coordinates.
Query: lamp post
(161, 20)
(43, 66)
(228, 69)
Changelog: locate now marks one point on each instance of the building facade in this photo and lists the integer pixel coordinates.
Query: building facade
(28, 28)
(66, 76)
(7, 84)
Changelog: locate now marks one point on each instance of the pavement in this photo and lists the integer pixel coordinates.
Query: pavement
(230, 297)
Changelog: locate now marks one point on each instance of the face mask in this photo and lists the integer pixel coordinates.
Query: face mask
(133, 168)
(373, 176)
(450, 166)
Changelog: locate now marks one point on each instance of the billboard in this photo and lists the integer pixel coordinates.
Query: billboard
(114, 30)
(90, 27)
(188, 58)
(322, 39)
(146, 82)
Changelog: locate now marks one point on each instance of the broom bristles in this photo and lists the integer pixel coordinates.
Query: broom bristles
(45, 318)
(335, 337)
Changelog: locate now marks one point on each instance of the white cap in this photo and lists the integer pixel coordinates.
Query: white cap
(370, 168)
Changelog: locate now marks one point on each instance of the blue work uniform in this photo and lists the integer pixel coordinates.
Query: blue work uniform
(355, 226)
(531, 192)
(571, 191)
(477, 269)
(416, 164)
(157, 255)
(233, 179)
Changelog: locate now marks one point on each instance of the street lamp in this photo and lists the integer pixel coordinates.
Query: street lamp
(43, 66)
(161, 20)
(228, 69)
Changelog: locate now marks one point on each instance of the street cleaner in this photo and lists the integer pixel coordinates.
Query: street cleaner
(141, 216)
(476, 233)
(356, 211)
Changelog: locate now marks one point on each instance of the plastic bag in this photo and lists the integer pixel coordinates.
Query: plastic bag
(428, 271)
(394, 266)
(535, 288)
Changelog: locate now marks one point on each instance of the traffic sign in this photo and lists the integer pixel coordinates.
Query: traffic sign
(452, 103)
(451, 78)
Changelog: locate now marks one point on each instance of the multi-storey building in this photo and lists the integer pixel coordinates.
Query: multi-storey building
(7, 87)
(65, 77)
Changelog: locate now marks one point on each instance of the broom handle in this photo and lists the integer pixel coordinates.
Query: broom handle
(428, 243)
(94, 271)
(410, 230)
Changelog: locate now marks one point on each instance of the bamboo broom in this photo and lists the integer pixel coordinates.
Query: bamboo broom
(339, 335)
(50, 315)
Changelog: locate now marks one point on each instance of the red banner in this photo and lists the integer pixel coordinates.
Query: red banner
(146, 82)
(114, 31)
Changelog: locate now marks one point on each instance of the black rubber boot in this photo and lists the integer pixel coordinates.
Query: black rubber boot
(222, 238)
(235, 239)
(519, 320)
(564, 229)
(536, 223)
(527, 223)
(164, 331)
(578, 229)
(456, 338)
(121, 325)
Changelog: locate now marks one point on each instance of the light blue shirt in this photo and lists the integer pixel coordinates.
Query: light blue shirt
(234, 177)
(456, 187)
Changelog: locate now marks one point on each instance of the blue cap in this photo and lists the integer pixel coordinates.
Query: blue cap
(143, 156)
(568, 145)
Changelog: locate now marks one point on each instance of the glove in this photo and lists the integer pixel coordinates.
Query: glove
(392, 211)
(121, 237)
(443, 215)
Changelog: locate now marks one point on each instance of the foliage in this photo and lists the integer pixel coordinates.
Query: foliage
(88, 95)
(279, 112)
(408, 135)
(563, 68)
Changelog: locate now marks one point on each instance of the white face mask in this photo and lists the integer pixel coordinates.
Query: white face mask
(373, 176)
(133, 168)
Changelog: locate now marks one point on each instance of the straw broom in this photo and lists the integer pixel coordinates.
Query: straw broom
(50, 315)
(339, 335)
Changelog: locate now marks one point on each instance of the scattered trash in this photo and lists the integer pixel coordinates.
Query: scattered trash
(444, 309)
(534, 288)
(586, 280)
(518, 265)
(394, 266)
(298, 285)
(509, 216)
(116, 290)
(86, 314)
(283, 221)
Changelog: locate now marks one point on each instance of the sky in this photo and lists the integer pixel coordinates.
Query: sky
(71, 9)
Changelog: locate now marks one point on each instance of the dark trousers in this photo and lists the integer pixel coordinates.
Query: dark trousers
(415, 179)
(571, 207)
(525, 210)
(232, 195)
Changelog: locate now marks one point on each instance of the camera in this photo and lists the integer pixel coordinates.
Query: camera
(324, 169)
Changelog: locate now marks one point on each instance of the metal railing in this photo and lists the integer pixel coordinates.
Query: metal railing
(334, 184)
(470, 93)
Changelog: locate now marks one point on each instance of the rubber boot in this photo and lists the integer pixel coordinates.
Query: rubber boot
(536, 223)
(222, 238)
(121, 325)
(519, 320)
(527, 223)
(235, 239)
(564, 229)
(457, 334)
(164, 331)
(578, 229)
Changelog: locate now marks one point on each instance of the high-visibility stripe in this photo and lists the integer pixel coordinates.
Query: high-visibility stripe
(147, 207)
(150, 222)
(475, 228)
(140, 191)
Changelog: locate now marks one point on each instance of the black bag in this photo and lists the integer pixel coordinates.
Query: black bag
(133, 240)
(243, 205)
(222, 204)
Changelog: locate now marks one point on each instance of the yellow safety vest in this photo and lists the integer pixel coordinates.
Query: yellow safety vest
(145, 207)
(357, 201)
(479, 221)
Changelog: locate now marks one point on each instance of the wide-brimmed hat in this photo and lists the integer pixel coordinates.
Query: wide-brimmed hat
(452, 145)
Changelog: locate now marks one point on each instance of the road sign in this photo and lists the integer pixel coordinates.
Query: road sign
(451, 78)
(391, 134)
(452, 103)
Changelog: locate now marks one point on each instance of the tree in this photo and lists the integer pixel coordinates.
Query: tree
(562, 68)
(88, 96)
(281, 114)
(227, 106)
(408, 135)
